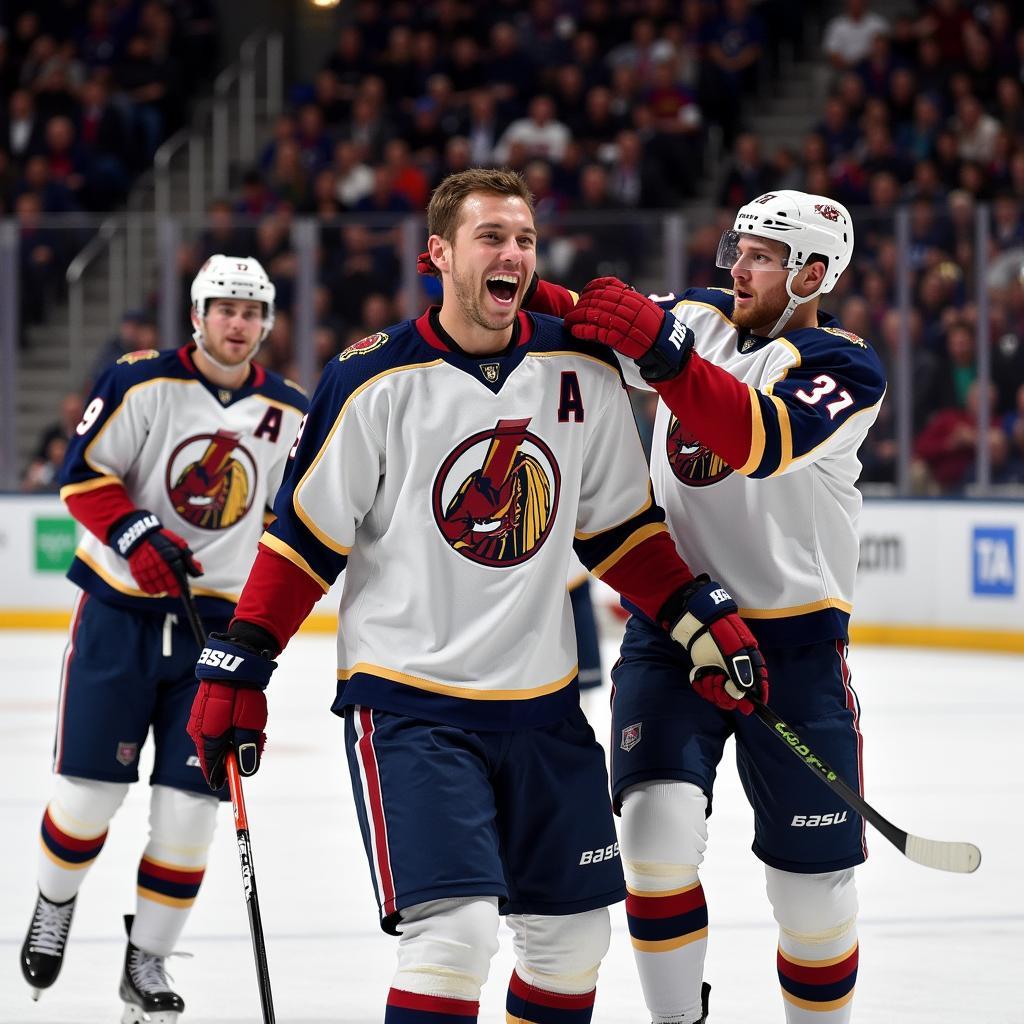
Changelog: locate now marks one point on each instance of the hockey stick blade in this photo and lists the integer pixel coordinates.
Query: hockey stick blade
(960, 858)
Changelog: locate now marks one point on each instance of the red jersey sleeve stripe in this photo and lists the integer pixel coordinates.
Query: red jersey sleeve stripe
(718, 410)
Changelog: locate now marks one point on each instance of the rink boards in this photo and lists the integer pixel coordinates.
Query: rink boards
(932, 572)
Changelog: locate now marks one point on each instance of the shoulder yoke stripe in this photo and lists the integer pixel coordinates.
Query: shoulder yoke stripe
(306, 519)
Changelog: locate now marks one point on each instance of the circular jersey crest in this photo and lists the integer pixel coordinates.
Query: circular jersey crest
(211, 480)
(364, 345)
(692, 463)
(495, 495)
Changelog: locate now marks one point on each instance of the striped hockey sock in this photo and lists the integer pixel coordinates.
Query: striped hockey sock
(817, 991)
(528, 1004)
(669, 932)
(165, 893)
(64, 859)
(413, 1008)
(169, 884)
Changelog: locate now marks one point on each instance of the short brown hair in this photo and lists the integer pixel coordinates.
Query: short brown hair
(445, 210)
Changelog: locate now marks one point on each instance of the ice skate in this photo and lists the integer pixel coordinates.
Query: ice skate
(145, 987)
(42, 952)
(705, 996)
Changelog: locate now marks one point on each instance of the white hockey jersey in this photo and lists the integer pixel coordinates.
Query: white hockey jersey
(452, 489)
(206, 460)
(778, 531)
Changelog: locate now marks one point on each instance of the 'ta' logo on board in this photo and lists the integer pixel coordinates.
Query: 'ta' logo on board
(994, 559)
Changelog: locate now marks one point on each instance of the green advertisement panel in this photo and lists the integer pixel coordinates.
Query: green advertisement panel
(55, 540)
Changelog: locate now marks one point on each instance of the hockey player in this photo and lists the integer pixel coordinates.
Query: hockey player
(450, 464)
(764, 402)
(172, 470)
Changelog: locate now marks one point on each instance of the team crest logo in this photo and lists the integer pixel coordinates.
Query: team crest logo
(826, 210)
(137, 357)
(853, 339)
(126, 753)
(630, 736)
(360, 348)
(692, 463)
(211, 480)
(495, 495)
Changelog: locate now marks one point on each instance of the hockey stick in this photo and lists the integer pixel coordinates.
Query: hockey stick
(252, 903)
(932, 853)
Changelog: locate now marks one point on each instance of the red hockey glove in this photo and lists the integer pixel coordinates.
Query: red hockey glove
(229, 711)
(425, 265)
(614, 314)
(156, 557)
(727, 664)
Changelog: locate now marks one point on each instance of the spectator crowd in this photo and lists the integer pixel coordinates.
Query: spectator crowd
(613, 110)
(88, 91)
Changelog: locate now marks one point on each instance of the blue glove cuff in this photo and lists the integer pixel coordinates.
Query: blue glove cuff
(128, 533)
(668, 355)
(708, 601)
(234, 664)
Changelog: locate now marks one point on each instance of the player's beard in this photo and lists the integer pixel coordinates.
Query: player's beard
(468, 296)
(230, 355)
(762, 314)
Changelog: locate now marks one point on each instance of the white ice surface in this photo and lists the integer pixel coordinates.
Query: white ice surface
(942, 759)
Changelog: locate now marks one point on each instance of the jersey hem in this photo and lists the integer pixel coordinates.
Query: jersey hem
(84, 577)
(787, 631)
(461, 712)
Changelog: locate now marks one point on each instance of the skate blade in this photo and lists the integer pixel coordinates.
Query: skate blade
(134, 1014)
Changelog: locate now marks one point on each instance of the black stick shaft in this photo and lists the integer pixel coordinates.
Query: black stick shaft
(829, 776)
(192, 613)
(252, 903)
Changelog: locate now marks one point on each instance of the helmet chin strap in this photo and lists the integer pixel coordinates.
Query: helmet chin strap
(794, 301)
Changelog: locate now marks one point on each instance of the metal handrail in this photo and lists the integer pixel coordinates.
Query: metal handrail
(162, 170)
(126, 257)
(76, 303)
(222, 128)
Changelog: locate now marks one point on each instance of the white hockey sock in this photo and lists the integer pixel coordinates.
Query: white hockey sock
(818, 979)
(171, 870)
(663, 840)
(818, 951)
(73, 831)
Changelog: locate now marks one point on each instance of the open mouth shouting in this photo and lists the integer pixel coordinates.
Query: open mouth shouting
(503, 288)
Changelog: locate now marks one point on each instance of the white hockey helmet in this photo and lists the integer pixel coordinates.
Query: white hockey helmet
(808, 225)
(233, 277)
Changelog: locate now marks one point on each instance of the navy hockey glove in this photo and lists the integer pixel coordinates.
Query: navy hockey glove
(157, 558)
(727, 664)
(229, 711)
(614, 314)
